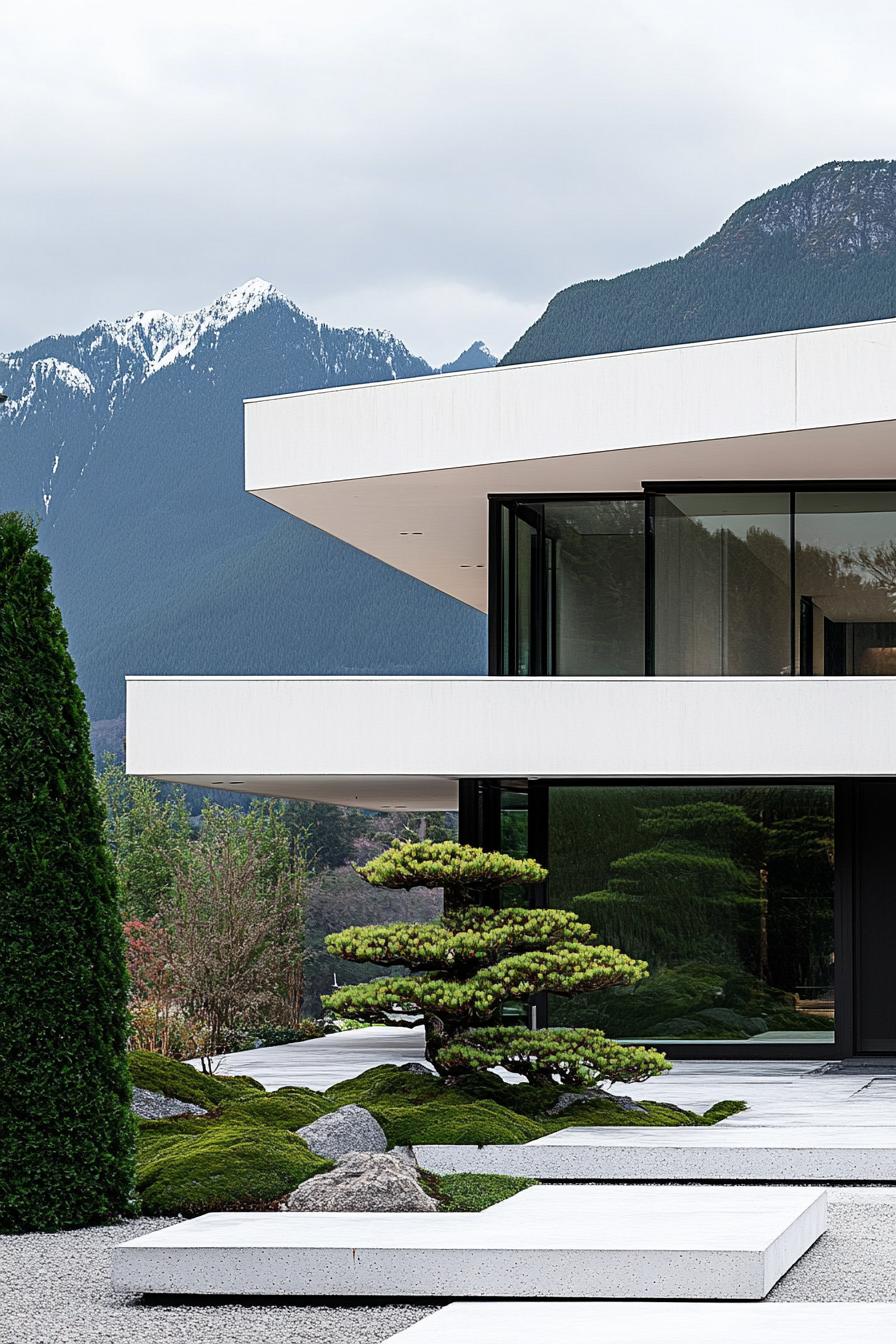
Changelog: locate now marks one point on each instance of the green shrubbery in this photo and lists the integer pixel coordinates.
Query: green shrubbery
(695, 1000)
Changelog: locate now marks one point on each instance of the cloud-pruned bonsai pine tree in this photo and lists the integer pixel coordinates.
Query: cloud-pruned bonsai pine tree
(464, 966)
(65, 1125)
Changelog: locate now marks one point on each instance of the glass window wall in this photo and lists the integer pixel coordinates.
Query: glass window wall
(728, 894)
(722, 585)
(845, 571)
(733, 583)
(595, 558)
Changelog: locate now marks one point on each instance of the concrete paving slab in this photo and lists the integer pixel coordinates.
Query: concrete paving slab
(687, 1153)
(718, 1242)
(648, 1322)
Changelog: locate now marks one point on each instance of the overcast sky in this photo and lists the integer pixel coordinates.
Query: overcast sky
(440, 169)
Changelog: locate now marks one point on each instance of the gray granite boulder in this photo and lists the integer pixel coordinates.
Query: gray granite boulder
(351, 1129)
(363, 1183)
(155, 1106)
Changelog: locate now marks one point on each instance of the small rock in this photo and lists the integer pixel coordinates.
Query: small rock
(155, 1106)
(627, 1104)
(363, 1183)
(567, 1099)
(405, 1153)
(351, 1129)
(420, 1070)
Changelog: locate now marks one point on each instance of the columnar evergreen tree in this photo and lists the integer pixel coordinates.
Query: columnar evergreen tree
(465, 965)
(65, 1124)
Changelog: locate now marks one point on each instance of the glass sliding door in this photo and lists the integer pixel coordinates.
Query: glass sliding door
(726, 891)
(845, 567)
(520, 591)
(595, 558)
(572, 588)
(722, 585)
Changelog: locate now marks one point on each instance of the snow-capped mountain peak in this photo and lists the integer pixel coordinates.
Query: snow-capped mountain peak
(159, 338)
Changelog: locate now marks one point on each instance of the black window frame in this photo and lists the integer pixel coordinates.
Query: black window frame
(541, 622)
(479, 825)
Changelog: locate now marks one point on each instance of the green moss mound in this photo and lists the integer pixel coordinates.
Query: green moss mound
(465, 1192)
(245, 1154)
(289, 1108)
(721, 1111)
(229, 1165)
(484, 1109)
(455, 1121)
(158, 1073)
(387, 1082)
(529, 1099)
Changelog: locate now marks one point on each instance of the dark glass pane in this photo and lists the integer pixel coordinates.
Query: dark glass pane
(514, 821)
(846, 582)
(722, 585)
(595, 568)
(507, 593)
(726, 892)
(525, 597)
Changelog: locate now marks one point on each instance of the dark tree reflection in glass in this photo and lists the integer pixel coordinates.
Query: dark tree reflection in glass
(727, 892)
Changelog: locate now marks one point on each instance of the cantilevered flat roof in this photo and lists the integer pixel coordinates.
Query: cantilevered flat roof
(403, 470)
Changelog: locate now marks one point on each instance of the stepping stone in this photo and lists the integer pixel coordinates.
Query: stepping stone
(654, 1323)
(682, 1153)
(548, 1241)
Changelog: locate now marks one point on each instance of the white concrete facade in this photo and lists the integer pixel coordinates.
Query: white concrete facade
(404, 471)
(337, 738)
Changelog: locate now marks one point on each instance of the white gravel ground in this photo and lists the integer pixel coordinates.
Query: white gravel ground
(54, 1288)
(855, 1260)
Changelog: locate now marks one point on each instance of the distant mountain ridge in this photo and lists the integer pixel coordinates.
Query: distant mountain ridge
(127, 439)
(817, 251)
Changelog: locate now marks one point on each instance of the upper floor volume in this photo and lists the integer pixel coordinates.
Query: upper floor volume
(733, 514)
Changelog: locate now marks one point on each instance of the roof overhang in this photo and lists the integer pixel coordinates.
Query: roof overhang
(403, 470)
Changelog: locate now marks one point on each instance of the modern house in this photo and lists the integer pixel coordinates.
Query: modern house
(687, 556)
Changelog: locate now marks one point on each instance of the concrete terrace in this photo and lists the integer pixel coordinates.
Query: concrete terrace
(779, 1093)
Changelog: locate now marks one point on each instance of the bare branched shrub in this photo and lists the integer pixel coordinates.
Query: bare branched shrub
(235, 917)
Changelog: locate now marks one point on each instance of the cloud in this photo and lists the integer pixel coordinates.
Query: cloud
(439, 168)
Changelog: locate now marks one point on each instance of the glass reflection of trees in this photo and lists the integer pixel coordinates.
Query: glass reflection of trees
(727, 893)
